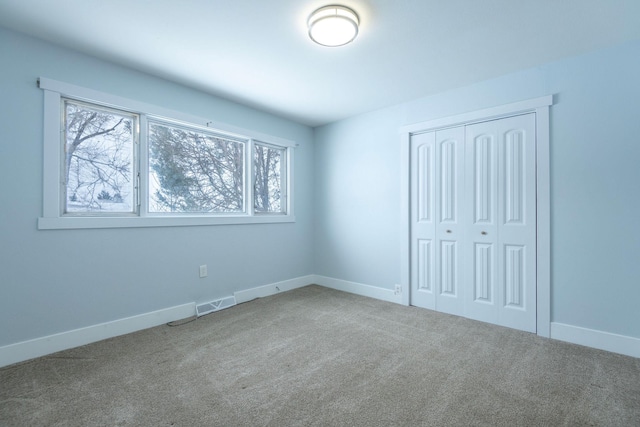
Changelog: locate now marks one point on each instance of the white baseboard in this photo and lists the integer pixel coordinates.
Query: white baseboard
(37, 347)
(25, 350)
(358, 289)
(30, 349)
(615, 343)
(272, 289)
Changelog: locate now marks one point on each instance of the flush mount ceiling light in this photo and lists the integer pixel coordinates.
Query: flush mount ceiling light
(333, 26)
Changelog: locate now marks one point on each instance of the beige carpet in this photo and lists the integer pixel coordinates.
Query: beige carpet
(319, 357)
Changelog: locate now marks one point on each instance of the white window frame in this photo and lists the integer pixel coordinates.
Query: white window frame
(206, 130)
(135, 208)
(285, 181)
(52, 215)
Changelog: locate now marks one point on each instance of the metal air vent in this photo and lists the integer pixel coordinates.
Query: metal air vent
(219, 304)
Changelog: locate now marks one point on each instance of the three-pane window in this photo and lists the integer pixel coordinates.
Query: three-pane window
(185, 169)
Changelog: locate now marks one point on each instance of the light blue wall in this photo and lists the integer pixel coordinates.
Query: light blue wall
(348, 210)
(58, 280)
(595, 184)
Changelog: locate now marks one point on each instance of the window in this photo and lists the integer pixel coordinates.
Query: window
(114, 162)
(269, 184)
(194, 171)
(99, 167)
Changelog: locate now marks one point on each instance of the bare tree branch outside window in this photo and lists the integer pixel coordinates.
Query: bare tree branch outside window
(190, 170)
(193, 171)
(267, 178)
(98, 159)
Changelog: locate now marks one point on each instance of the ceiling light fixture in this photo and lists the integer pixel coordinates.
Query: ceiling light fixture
(333, 25)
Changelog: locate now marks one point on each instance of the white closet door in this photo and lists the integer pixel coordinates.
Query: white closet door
(501, 236)
(450, 220)
(481, 160)
(423, 220)
(437, 221)
(517, 219)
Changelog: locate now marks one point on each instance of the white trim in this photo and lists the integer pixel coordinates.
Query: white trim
(25, 350)
(383, 294)
(51, 172)
(543, 223)
(500, 111)
(607, 341)
(19, 352)
(156, 221)
(405, 217)
(22, 351)
(93, 96)
(540, 106)
(289, 184)
(143, 162)
(272, 289)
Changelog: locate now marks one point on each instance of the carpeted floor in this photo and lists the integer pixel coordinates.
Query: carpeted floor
(319, 357)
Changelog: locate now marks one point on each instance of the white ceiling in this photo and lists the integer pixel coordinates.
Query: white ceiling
(257, 52)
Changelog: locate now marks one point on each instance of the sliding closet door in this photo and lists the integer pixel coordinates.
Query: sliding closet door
(437, 220)
(501, 234)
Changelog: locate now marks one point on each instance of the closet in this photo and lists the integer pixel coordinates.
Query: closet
(473, 221)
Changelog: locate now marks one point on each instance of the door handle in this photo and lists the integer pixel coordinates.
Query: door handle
(484, 233)
(448, 231)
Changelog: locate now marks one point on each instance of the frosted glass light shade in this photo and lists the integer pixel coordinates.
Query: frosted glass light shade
(333, 26)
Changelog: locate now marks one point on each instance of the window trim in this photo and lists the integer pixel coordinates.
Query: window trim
(52, 213)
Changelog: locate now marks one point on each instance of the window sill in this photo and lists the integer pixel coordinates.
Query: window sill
(68, 223)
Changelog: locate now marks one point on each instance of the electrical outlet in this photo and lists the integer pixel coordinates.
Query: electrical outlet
(203, 270)
(397, 290)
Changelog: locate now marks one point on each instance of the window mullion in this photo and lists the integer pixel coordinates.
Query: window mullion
(284, 178)
(250, 179)
(143, 166)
